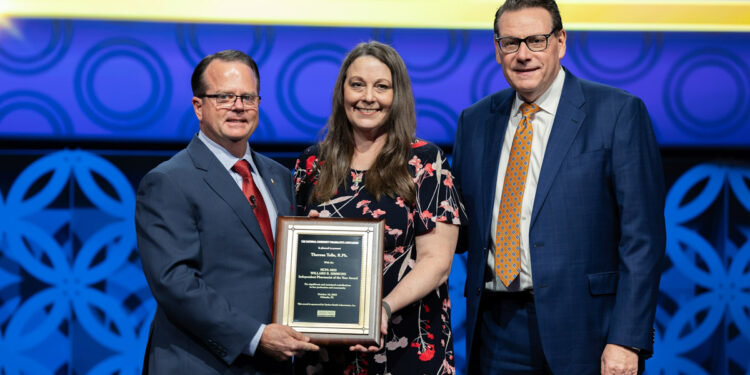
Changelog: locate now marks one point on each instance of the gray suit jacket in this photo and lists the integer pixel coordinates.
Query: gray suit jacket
(207, 264)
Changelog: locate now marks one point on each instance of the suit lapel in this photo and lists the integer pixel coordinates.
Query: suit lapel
(494, 132)
(568, 120)
(221, 182)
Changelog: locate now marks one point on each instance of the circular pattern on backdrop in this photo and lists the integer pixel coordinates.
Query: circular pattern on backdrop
(55, 115)
(265, 132)
(619, 57)
(197, 41)
(131, 64)
(487, 78)
(450, 49)
(708, 78)
(189, 125)
(42, 45)
(440, 114)
(308, 57)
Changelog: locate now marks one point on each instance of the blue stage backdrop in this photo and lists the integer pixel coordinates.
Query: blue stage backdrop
(73, 299)
(75, 80)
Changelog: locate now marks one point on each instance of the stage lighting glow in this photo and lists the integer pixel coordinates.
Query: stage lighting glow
(677, 15)
(6, 28)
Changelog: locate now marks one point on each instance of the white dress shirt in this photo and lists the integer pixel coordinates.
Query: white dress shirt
(228, 160)
(541, 123)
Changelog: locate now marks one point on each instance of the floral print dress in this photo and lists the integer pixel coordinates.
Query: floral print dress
(419, 339)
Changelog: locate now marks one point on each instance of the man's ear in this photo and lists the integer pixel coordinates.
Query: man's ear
(562, 38)
(198, 107)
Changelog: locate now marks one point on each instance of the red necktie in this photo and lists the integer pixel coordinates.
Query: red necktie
(508, 231)
(256, 200)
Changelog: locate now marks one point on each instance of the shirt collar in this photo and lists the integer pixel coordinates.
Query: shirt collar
(225, 157)
(549, 99)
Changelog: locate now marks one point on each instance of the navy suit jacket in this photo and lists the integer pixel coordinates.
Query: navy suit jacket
(596, 235)
(207, 264)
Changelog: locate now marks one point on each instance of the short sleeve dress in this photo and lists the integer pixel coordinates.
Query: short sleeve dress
(419, 339)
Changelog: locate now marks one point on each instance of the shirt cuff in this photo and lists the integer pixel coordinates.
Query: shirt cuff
(250, 350)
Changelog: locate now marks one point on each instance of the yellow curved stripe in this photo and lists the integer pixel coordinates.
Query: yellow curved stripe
(678, 16)
(674, 15)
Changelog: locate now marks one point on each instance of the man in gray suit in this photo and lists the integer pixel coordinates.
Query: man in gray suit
(205, 221)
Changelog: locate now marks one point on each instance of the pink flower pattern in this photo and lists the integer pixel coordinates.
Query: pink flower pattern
(419, 334)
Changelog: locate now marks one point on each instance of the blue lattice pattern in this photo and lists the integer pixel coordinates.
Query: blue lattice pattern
(703, 320)
(73, 298)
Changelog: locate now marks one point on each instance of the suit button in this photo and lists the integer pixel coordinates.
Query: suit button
(479, 291)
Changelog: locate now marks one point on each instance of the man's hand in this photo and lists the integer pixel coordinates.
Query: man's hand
(619, 360)
(282, 342)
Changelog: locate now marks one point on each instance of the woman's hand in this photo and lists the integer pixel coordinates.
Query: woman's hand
(383, 331)
(435, 251)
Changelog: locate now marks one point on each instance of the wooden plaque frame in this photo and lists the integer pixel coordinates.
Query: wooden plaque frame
(334, 242)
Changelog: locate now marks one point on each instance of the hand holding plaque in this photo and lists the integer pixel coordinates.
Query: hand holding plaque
(328, 279)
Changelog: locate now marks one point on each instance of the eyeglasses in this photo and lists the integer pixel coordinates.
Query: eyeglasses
(535, 43)
(228, 100)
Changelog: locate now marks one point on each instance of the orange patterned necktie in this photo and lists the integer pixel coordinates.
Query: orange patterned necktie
(508, 231)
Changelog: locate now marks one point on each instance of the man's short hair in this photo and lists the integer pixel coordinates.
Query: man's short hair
(199, 86)
(511, 5)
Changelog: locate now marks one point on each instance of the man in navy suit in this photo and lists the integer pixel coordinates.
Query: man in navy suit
(207, 250)
(563, 183)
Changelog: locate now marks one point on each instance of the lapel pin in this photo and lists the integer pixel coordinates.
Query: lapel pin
(272, 181)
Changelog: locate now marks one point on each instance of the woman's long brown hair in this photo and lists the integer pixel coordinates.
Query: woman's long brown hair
(389, 175)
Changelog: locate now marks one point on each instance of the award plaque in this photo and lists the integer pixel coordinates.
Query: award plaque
(329, 273)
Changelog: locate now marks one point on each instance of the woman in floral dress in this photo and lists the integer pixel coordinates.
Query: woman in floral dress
(370, 165)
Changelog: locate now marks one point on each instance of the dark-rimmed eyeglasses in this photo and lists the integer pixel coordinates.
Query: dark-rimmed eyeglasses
(227, 100)
(535, 43)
